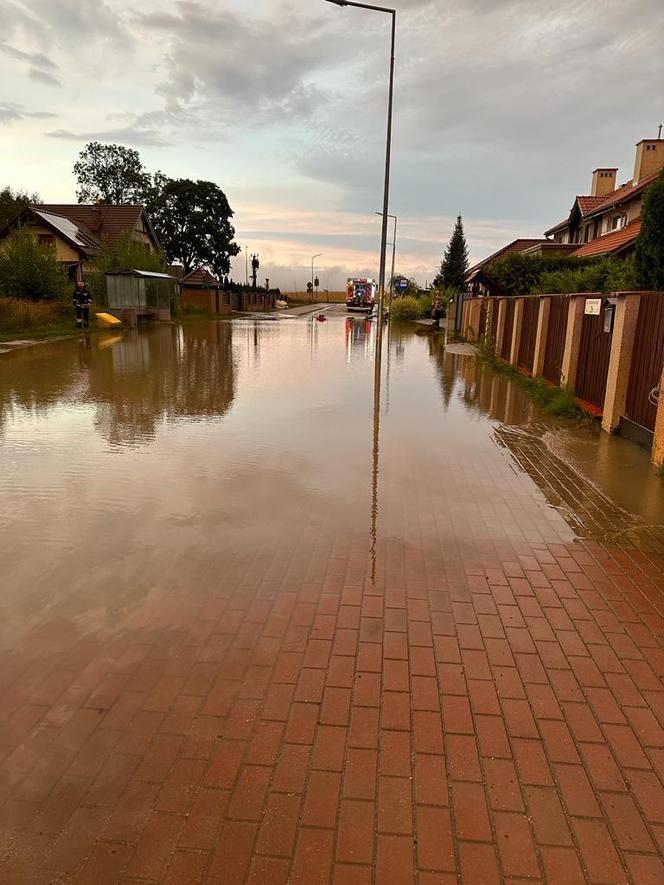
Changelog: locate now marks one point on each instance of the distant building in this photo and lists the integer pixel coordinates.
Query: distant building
(608, 220)
(79, 232)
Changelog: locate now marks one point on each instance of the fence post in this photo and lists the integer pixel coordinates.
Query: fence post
(620, 361)
(500, 331)
(543, 313)
(572, 342)
(658, 441)
(516, 331)
(471, 319)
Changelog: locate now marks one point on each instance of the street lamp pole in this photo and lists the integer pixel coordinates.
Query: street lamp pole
(388, 149)
(394, 252)
(313, 258)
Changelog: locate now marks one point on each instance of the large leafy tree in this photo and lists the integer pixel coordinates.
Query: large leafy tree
(452, 274)
(193, 222)
(649, 255)
(110, 173)
(13, 202)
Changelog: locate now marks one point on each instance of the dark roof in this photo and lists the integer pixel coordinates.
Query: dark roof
(77, 236)
(616, 241)
(103, 220)
(515, 246)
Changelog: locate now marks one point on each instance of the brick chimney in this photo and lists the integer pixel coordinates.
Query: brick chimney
(604, 182)
(649, 158)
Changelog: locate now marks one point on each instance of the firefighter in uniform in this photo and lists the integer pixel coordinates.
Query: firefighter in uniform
(82, 301)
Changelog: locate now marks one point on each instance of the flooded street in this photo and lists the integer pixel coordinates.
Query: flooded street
(204, 576)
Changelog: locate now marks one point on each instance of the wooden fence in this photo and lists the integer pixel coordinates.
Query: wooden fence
(528, 333)
(593, 365)
(555, 339)
(608, 351)
(647, 361)
(506, 348)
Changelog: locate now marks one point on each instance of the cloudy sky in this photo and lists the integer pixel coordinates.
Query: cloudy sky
(503, 109)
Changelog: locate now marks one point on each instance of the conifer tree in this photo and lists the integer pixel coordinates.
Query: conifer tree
(455, 262)
(649, 256)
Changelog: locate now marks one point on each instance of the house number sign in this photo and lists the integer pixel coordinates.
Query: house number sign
(593, 307)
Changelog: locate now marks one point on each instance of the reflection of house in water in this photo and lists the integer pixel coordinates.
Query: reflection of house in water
(25, 384)
(164, 372)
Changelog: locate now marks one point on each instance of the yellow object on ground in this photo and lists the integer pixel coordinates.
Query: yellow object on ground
(107, 319)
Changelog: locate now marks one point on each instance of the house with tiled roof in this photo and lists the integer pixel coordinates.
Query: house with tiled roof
(478, 277)
(608, 220)
(79, 232)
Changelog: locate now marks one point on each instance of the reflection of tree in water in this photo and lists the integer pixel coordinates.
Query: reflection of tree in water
(164, 372)
(135, 379)
(28, 382)
(446, 363)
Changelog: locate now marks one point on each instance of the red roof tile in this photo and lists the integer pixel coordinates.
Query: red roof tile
(200, 276)
(616, 241)
(588, 204)
(625, 191)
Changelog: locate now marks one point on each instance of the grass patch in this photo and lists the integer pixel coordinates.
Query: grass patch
(20, 318)
(551, 400)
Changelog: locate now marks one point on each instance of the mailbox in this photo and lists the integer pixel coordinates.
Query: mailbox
(609, 314)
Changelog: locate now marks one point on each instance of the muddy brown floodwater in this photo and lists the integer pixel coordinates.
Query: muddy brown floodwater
(175, 502)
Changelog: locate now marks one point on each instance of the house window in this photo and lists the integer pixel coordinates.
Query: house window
(47, 241)
(618, 222)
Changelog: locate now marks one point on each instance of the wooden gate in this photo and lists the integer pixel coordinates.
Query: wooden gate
(506, 349)
(555, 339)
(528, 333)
(593, 366)
(647, 360)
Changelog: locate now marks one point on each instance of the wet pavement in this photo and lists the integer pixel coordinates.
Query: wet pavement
(244, 638)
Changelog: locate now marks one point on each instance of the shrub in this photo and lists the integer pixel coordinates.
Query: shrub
(518, 274)
(28, 270)
(649, 257)
(411, 308)
(603, 275)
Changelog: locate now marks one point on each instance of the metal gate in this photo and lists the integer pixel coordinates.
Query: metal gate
(506, 349)
(647, 360)
(528, 333)
(593, 366)
(555, 339)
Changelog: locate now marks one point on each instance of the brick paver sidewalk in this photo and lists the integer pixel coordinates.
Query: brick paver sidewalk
(497, 717)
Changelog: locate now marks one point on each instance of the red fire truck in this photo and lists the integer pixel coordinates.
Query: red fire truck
(361, 295)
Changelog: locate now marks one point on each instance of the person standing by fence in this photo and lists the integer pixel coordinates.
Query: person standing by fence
(82, 301)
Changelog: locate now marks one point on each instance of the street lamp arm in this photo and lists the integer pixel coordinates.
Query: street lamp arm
(363, 6)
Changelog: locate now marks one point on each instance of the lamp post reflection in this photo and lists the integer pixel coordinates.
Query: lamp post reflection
(375, 467)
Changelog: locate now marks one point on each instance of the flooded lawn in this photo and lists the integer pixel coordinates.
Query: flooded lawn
(203, 554)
